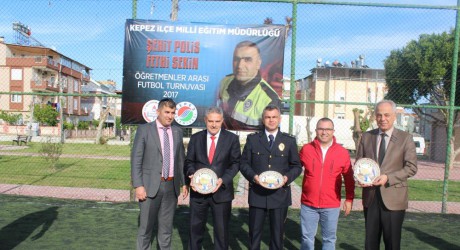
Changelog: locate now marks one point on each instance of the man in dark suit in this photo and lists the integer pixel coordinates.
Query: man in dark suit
(267, 150)
(223, 157)
(386, 200)
(157, 161)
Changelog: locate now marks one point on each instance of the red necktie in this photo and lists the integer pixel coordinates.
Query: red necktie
(212, 149)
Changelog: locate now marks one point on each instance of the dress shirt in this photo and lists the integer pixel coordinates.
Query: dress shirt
(274, 135)
(387, 138)
(171, 143)
(209, 141)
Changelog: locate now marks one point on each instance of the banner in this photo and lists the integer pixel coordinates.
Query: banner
(236, 67)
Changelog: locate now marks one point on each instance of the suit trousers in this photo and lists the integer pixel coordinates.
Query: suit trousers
(277, 217)
(198, 216)
(157, 211)
(379, 219)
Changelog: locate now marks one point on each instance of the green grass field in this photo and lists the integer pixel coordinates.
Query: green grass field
(115, 174)
(43, 223)
(80, 149)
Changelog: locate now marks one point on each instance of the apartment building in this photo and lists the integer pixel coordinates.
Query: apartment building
(95, 105)
(339, 82)
(41, 70)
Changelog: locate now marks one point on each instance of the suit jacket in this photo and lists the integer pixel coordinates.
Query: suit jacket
(147, 158)
(225, 163)
(399, 164)
(257, 157)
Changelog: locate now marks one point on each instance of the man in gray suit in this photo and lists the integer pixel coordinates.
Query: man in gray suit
(219, 150)
(157, 163)
(386, 200)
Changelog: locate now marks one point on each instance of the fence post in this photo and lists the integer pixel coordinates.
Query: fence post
(450, 121)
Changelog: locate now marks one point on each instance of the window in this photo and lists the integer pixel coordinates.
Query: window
(64, 82)
(340, 97)
(52, 80)
(339, 115)
(69, 103)
(16, 98)
(16, 74)
(75, 85)
(75, 104)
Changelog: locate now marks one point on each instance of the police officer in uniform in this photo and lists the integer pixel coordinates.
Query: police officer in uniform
(269, 149)
(244, 94)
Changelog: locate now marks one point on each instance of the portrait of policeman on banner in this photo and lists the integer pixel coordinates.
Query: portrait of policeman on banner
(245, 93)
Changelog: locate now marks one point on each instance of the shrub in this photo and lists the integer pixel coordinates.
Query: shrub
(95, 123)
(11, 119)
(51, 152)
(103, 140)
(83, 125)
(68, 125)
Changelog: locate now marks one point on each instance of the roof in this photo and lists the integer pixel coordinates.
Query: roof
(38, 49)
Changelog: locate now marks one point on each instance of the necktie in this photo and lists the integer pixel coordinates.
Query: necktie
(382, 149)
(271, 140)
(166, 153)
(212, 149)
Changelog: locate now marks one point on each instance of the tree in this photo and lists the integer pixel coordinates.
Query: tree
(46, 114)
(361, 123)
(423, 69)
(103, 117)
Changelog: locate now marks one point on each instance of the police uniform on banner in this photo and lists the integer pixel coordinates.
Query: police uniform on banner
(283, 158)
(245, 104)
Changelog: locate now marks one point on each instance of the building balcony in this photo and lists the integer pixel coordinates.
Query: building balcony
(74, 73)
(81, 112)
(43, 85)
(35, 61)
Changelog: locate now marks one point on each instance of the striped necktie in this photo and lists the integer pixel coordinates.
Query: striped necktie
(166, 153)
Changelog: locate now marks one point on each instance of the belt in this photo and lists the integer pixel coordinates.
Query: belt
(167, 179)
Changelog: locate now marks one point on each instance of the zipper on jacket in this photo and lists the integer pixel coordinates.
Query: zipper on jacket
(320, 183)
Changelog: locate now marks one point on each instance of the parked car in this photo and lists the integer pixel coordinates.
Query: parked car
(419, 145)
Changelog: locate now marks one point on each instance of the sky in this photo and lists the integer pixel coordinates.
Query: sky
(92, 32)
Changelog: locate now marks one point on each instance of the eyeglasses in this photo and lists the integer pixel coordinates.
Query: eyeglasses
(324, 129)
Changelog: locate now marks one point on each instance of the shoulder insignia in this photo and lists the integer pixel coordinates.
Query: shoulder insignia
(254, 133)
(287, 134)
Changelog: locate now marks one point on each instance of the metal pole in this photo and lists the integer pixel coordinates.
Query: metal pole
(293, 56)
(134, 11)
(450, 121)
(174, 9)
(61, 108)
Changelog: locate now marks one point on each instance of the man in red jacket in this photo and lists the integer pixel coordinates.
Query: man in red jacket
(324, 162)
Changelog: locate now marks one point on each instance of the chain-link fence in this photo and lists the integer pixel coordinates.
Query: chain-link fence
(340, 59)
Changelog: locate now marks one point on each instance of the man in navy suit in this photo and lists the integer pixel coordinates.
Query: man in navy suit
(218, 150)
(266, 150)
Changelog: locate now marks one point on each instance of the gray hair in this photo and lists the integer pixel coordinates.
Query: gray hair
(392, 103)
(217, 110)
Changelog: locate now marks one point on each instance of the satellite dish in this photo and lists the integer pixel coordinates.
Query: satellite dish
(318, 62)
